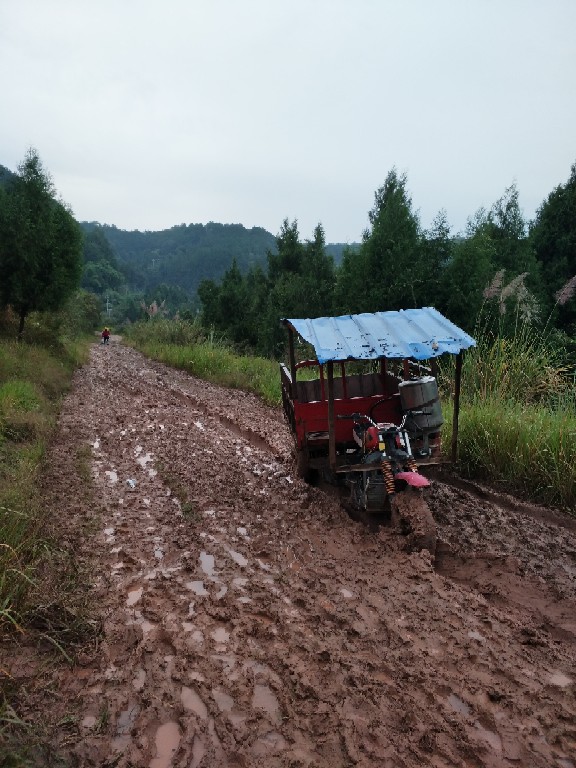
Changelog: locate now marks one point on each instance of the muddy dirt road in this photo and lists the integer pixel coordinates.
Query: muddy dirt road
(248, 621)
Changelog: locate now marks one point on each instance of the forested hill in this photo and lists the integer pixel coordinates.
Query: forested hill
(181, 256)
(185, 254)
(5, 176)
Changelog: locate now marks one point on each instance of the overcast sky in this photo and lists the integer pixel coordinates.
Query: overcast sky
(151, 113)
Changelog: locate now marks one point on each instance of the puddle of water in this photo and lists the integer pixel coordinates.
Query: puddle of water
(256, 667)
(120, 743)
(560, 679)
(167, 743)
(143, 460)
(492, 738)
(133, 596)
(264, 698)
(89, 721)
(224, 702)
(269, 743)
(207, 563)
(220, 635)
(198, 752)
(198, 588)
(193, 703)
(236, 718)
(126, 720)
(147, 626)
(458, 705)
(112, 476)
(150, 576)
(238, 558)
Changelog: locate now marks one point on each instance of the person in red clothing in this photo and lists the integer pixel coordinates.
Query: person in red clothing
(105, 336)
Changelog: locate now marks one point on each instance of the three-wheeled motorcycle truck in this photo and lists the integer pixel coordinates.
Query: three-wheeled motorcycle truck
(365, 411)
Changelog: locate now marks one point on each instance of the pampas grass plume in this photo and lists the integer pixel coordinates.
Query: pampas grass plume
(566, 292)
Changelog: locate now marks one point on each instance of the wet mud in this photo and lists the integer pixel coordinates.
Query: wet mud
(248, 620)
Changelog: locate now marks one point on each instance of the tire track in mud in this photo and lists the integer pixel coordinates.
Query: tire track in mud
(247, 619)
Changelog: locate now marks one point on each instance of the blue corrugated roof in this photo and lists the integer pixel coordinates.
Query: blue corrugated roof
(416, 333)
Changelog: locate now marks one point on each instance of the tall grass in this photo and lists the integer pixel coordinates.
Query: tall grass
(34, 375)
(33, 379)
(186, 346)
(518, 420)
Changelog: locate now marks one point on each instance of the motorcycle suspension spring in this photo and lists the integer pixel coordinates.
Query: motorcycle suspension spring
(411, 464)
(388, 478)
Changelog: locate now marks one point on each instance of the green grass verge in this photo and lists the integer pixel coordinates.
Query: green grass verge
(33, 379)
(188, 347)
(530, 451)
(222, 366)
(517, 427)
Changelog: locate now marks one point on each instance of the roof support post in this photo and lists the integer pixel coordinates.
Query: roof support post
(294, 392)
(457, 384)
(331, 419)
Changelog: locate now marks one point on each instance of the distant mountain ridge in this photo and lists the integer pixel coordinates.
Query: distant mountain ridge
(186, 254)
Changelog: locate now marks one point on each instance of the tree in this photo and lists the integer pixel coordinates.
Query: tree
(469, 273)
(319, 277)
(82, 312)
(290, 251)
(389, 251)
(553, 236)
(436, 253)
(101, 269)
(40, 244)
